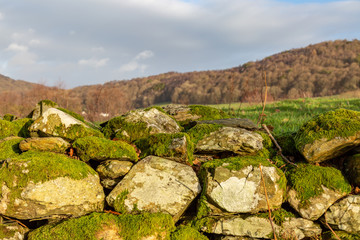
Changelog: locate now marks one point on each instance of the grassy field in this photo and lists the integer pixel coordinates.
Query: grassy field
(288, 115)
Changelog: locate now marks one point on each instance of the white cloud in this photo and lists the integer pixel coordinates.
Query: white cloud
(144, 55)
(1, 16)
(93, 62)
(17, 47)
(135, 64)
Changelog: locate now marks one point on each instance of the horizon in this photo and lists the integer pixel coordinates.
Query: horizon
(63, 42)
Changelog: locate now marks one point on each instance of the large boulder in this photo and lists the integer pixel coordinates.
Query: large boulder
(45, 185)
(140, 123)
(41, 107)
(329, 135)
(235, 185)
(352, 169)
(228, 139)
(56, 123)
(105, 226)
(156, 185)
(100, 149)
(176, 146)
(312, 189)
(345, 214)
(47, 144)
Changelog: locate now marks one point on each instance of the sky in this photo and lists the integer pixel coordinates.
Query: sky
(73, 43)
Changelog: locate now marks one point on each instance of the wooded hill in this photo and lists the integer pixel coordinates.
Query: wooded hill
(322, 69)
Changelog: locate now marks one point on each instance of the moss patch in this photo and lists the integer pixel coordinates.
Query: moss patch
(278, 216)
(129, 131)
(102, 149)
(23, 126)
(10, 148)
(126, 226)
(307, 180)
(341, 234)
(158, 145)
(33, 166)
(7, 129)
(208, 113)
(187, 233)
(9, 117)
(201, 130)
(338, 123)
(47, 103)
(75, 131)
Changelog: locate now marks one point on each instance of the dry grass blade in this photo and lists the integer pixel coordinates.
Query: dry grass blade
(326, 223)
(20, 223)
(267, 202)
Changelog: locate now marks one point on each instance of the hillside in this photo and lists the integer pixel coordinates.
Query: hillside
(322, 69)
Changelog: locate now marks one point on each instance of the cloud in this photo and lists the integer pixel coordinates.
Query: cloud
(93, 62)
(17, 47)
(1, 16)
(135, 63)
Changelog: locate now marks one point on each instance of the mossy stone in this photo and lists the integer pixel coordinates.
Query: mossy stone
(199, 131)
(187, 233)
(101, 149)
(164, 145)
(9, 117)
(96, 226)
(329, 135)
(207, 113)
(307, 180)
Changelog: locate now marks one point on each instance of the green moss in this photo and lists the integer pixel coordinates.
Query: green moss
(75, 131)
(338, 123)
(23, 126)
(10, 148)
(9, 117)
(96, 148)
(278, 215)
(7, 129)
(39, 167)
(129, 131)
(307, 180)
(47, 102)
(205, 224)
(341, 234)
(155, 107)
(267, 143)
(158, 145)
(126, 226)
(201, 130)
(207, 113)
(187, 233)
(119, 202)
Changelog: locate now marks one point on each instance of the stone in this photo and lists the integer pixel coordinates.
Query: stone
(12, 231)
(299, 228)
(109, 183)
(329, 135)
(240, 189)
(46, 185)
(312, 189)
(352, 169)
(41, 107)
(140, 123)
(316, 206)
(156, 184)
(113, 168)
(56, 123)
(105, 226)
(252, 226)
(180, 112)
(175, 146)
(345, 214)
(50, 144)
(101, 149)
(232, 122)
(227, 139)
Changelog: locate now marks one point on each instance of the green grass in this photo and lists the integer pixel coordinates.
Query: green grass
(288, 115)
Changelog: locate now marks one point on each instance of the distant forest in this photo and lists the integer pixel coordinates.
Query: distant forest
(322, 69)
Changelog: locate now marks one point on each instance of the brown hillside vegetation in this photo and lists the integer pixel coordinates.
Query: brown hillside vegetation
(322, 69)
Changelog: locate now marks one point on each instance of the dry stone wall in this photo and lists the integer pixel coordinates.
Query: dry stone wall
(181, 172)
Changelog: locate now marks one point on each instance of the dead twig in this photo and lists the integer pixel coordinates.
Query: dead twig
(277, 145)
(18, 222)
(264, 102)
(326, 223)
(267, 202)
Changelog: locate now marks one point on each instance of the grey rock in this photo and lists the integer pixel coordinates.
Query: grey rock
(113, 168)
(157, 185)
(51, 144)
(317, 206)
(227, 139)
(180, 112)
(345, 214)
(300, 228)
